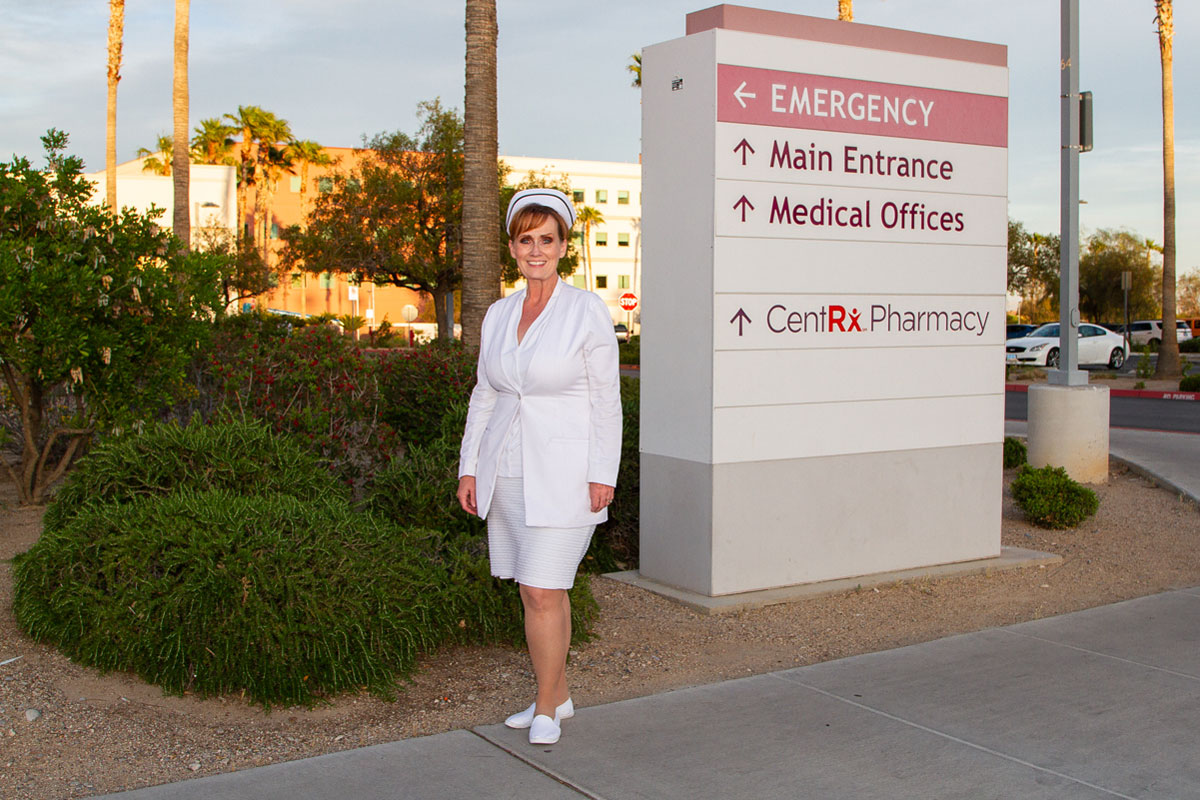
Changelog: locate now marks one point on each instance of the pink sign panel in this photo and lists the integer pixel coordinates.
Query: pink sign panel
(753, 96)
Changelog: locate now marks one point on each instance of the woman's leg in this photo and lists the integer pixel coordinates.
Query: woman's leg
(548, 633)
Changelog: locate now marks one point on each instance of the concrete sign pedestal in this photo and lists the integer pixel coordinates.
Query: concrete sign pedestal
(825, 229)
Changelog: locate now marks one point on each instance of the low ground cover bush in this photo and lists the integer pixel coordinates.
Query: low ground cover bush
(1015, 452)
(1051, 499)
(630, 353)
(1190, 383)
(1190, 346)
(204, 571)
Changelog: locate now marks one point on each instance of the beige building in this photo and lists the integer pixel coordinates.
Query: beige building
(612, 188)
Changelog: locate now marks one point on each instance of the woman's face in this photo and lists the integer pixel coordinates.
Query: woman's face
(538, 250)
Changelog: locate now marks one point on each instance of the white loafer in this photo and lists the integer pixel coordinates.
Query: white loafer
(523, 719)
(544, 730)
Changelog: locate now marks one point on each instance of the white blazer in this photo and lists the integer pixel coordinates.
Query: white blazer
(568, 397)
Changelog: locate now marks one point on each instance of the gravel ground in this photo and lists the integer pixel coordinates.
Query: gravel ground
(102, 733)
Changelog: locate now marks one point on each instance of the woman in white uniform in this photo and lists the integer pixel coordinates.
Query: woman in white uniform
(542, 443)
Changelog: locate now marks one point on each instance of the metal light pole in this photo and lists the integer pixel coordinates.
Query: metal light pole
(1068, 372)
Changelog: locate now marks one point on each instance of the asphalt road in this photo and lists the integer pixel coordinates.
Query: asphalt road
(1182, 416)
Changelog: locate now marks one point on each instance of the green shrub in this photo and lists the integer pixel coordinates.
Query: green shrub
(1051, 499)
(1190, 346)
(214, 592)
(243, 457)
(1190, 383)
(615, 544)
(419, 385)
(1015, 452)
(1145, 367)
(631, 351)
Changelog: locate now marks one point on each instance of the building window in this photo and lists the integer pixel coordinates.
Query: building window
(579, 281)
(622, 198)
(324, 185)
(577, 195)
(601, 281)
(274, 230)
(622, 240)
(297, 279)
(294, 183)
(326, 280)
(601, 239)
(622, 281)
(602, 195)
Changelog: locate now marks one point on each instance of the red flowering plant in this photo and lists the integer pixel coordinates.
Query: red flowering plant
(311, 382)
(419, 386)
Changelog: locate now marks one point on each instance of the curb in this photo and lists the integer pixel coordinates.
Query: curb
(1148, 395)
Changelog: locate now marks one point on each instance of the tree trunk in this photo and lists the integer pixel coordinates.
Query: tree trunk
(1168, 353)
(116, 32)
(180, 160)
(481, 181)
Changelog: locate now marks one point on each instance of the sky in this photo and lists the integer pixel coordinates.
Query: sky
(341, 69)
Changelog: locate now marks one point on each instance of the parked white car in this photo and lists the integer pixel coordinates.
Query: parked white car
(1149, 332)
(1040, 348)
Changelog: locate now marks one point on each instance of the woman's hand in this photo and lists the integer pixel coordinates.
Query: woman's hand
(601, 495)
(466, 494)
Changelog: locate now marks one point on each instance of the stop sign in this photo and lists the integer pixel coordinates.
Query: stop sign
(628, 301)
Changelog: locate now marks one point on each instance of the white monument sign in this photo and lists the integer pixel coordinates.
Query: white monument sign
(825, 233)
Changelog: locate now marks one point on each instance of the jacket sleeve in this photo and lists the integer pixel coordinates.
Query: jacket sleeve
(604, 394)
(479, 412)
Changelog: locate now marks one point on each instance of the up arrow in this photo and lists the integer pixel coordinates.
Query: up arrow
(743, 204)
(744, 146)
(741, 318)
(740, 92)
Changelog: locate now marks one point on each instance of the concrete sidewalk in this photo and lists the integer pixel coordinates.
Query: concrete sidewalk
(1101, 703)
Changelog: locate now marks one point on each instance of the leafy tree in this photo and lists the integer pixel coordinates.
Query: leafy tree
(1109, 253)
(101, 314)
(1188, 290)
(846, 10)
(1033, 269)
(395, 217)
(634, 68)
(568, 263)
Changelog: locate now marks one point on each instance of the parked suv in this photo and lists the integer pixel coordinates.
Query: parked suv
(1149, 332)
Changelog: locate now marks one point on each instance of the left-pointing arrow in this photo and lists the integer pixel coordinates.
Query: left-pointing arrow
(740, 94)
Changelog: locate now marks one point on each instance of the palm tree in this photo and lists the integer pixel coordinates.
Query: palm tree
(212, 143)
(306, 153)
(635, 68)
(116, 31)
(1168, 354)
(180, 162)
(481, 180)
(587, 218)
(846, 10)
(274, 161)
(248, 121)
(159, 160)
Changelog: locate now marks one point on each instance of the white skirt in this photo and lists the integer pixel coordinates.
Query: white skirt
(545, 558)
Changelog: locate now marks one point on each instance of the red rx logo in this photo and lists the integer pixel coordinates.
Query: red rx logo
(839, 320)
